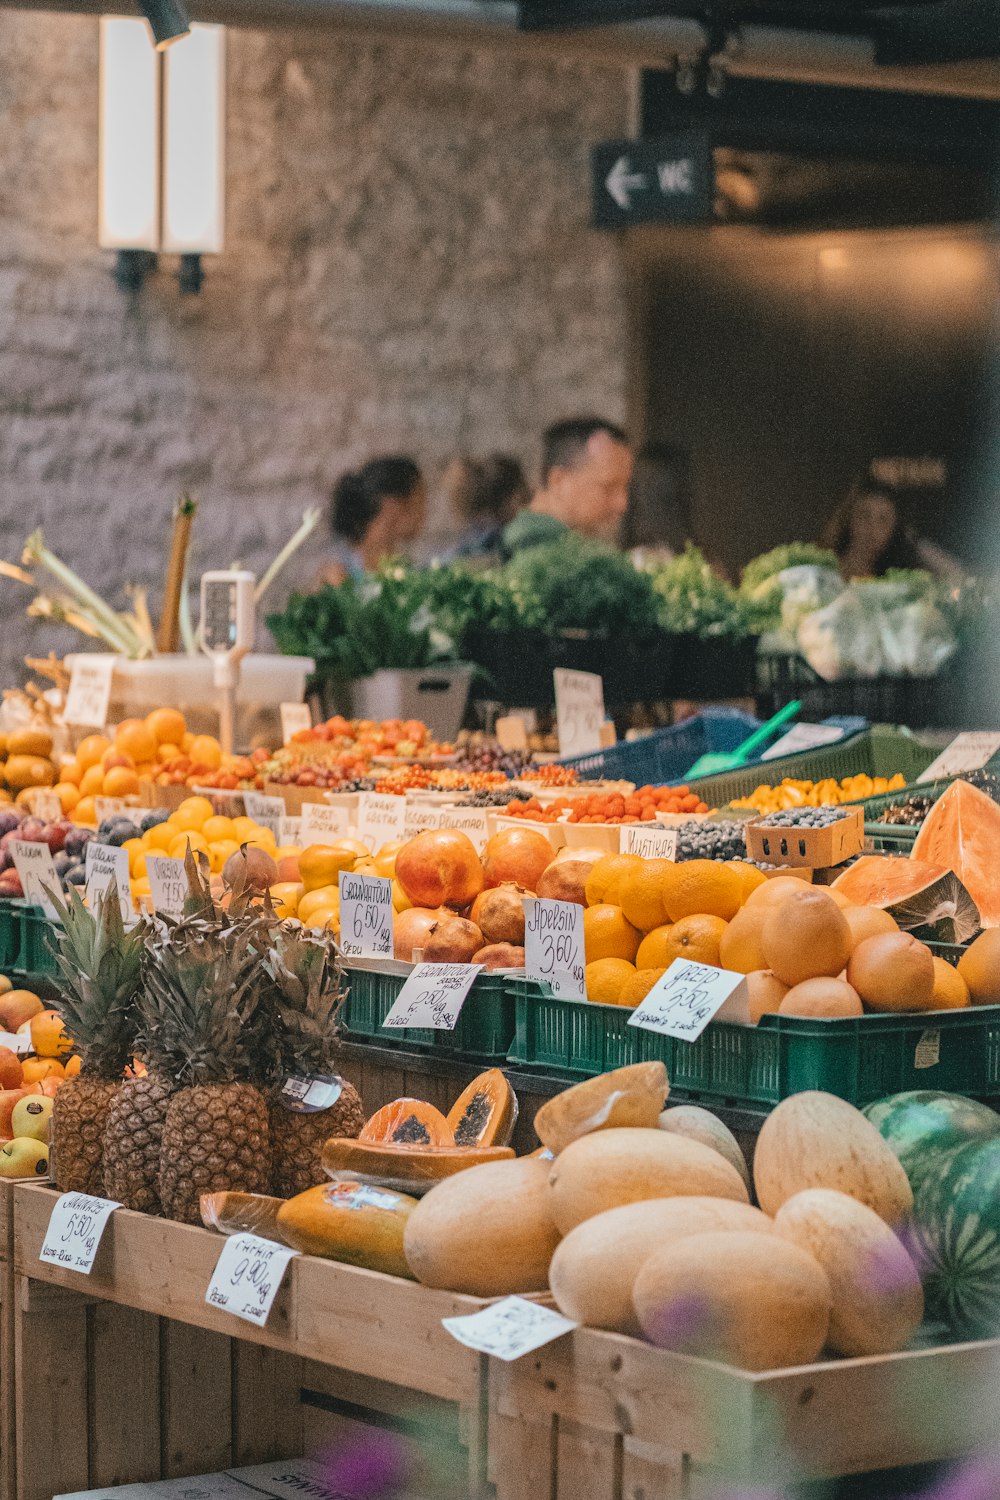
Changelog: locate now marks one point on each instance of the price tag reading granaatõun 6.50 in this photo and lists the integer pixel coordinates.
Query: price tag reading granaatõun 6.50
(74, 1234)
(365, 916)
(432, 996)
(553, 946)
(685, 999)
(247, 1276)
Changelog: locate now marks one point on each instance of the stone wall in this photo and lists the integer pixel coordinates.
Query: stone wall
(407, 267)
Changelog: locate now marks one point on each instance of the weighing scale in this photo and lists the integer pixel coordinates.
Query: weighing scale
(227, 634)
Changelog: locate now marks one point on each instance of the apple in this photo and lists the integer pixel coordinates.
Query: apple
(10, 1069)
(6, 985)
(24, 1157)
(50, 1086)
(31, 1117)
(8, 1098)
(18, 1006)
(10, 884)
(55, 836)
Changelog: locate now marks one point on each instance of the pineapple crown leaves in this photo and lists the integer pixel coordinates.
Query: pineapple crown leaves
(307, 993)
(99, 962)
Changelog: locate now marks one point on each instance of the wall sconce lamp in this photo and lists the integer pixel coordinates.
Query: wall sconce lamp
(162, 143)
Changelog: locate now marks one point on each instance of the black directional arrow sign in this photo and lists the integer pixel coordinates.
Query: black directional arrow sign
(666, 181)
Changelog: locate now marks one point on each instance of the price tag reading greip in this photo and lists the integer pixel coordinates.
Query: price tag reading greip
(509, 1328)
(104, 863)
(89, 691)
(34, 863)
(74, 1234)
(168, 884)
(381, 819)
(432, 996)
(685, 999)
(295, 718)
(579, 711)
(322, 824)
(553, 946)
(247, 1276)
(365, 916)
(267, 811)
(649, 840)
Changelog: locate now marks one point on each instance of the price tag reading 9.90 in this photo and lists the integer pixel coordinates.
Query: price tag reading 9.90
(553, 946)
(247, 1276)
(365, 916)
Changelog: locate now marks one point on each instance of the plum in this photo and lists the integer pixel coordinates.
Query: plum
(10, 818)
(153, 819)
(33, 830)
(55, 836)
(75, 842)
(117, 831)
(76, 876)
(62, 862)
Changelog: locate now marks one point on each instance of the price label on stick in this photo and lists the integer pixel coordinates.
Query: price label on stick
(649, 840)
(381, 819)
(34, 863)
(89, 691)
(510, 1328)
(74, 1234)
(295, 717)
(267, 811)
(104, 863)
(687, 997)
(579, 711)
(365, 916)
(322, 824)
(247, 1276)
(432, 996)
(168, 884)
(553, 946)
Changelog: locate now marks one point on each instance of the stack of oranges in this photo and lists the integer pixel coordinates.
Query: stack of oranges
(197, 826)
(141, 748)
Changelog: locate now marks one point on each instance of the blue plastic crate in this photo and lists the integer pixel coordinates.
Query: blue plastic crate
(667, 755)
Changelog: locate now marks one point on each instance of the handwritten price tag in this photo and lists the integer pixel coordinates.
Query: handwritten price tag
(289, 832)
(649, 841)
(510, 1328)
(74, 1234)
(104, 863)
(34, 863)
(432, 996)
(803, 737)
(553, 946)
(89, 691)
(247, 1276)
(686, 998)
(109, 807)
(168, 885)
(967, 752)
(579, 711)
(46, 805)
(267, 811)
(295, 717)
(365, 916)
(381, 819)
(322, 824)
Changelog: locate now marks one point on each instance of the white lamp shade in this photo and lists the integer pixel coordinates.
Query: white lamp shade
(194, 142)
(129, 137)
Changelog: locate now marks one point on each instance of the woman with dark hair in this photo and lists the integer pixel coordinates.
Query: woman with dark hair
(868, 535)
(485, 493)
(374, 513)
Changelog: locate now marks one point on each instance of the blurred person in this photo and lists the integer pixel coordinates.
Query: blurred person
(869, 537)
(375, 512)
(586, 471)
(485, 494)
(656, 524)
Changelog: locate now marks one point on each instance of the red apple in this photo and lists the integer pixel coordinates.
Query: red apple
(18, 1006)
(8, 1098)
(10, 1069)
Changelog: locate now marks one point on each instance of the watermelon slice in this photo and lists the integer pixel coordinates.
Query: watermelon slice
(919, 1125)
(962, 833)
(914, 893)
(954, 1238)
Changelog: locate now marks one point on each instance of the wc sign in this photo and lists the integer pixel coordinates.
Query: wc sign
(666, 181)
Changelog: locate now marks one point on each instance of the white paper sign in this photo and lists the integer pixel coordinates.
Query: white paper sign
(89, 691)
(109, 807)
(322, 824)
(511, 732)
(104, 863)
(432, 996)
(579, 711)
(509, 1328)
(267, 811)
(34, 863)
(247, 1276)
(649, 840)
(74, 1234)
(685, 999)
(553, 946)
(168, 884)
(295, 717)
(46, 805)
(803, 737)
(472, 822)
(15, 1043)
(365, 916)
(967, 752)
(381, 819)
(289, 832)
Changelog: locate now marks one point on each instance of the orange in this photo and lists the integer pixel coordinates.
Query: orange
(134, 738)
(824, 996)
(48, 1036)
(194, 812)
(654, 948)
(243, 828)
(635, 990)
(606, 870)
(72, 1067)
(159, 837)
(950, 990)
(34, 1069)
(322, 916)
(70, 773)
(166, 725)
(764, 994)
(701, 885)
(92, 784)
(607, 934)
(320, 865)
(979, 966)
(750, 876)
(605, 978)
(893, 972)
(85, 812)
(68, 794)
(286, 896)
(120, 782)
(776, 888)
(806, 937)
(696, 938)
(115, 757)
(866, 922)
(181, 842)
(640, 894)
(219, 852)
(90, 750)
(166, 753)
(206, 751)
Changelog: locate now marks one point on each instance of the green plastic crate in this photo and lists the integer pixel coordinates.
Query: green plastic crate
(857, 1059)
(485, 1026)
(10, 936)
(876, 752)
(35, 954)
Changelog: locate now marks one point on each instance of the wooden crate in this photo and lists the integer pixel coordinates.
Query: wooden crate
(128, 1374)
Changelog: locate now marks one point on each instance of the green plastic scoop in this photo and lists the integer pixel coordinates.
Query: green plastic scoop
(731, 760)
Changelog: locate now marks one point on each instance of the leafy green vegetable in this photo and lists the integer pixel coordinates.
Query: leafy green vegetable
(694, 600)
(576, 584)
(791, 555)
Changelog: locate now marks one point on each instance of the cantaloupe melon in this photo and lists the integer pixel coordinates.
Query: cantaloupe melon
(613, 1167)
(878, 1302)
(750, 1300)
(488, 1231)
(915, 893)
(816, 1140)
(594, 1268)
(631, 1096)
(701, 1125)
(962, 833)
(349, 1222)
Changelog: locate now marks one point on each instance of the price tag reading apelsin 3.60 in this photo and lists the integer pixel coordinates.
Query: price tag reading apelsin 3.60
(685, 999)
(432, 996)
(365, 916)
(553, 946)
(247, 1276)
(74, 1234)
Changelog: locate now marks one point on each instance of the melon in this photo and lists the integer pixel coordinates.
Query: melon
(752, 1300)
(485, 1113)
(405, 1169)
(817, 1140)
(878, 1303)
(594, 1269)
(701, 1125)
(962, 833)
(919, 1125)
(915, 894)
(488, 1231)
(955, 1238)
(349, 1222)
(628, 1096)
(613, 1167)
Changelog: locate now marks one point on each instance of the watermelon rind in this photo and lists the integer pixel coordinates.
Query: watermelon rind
(918, 1125)
(954, 1238)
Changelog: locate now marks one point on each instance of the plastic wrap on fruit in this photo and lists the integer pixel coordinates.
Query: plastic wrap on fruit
(402, 1168)
(242, 1213)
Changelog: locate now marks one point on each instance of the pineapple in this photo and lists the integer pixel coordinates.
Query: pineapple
(308, 994)
(132, 1139)
(99, 965)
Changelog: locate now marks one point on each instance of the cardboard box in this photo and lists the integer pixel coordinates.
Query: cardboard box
(810, 848)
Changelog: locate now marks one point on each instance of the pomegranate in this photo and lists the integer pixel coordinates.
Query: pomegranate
(517, 855)
(411, 929)
(250, 867)
(499, 914)
(500, 956)
(453, 940)
(440, 868)
(566, 880)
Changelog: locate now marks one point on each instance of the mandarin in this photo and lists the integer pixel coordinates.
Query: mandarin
(605, 978)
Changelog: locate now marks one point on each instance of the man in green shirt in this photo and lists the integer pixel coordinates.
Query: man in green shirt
(586, 470)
